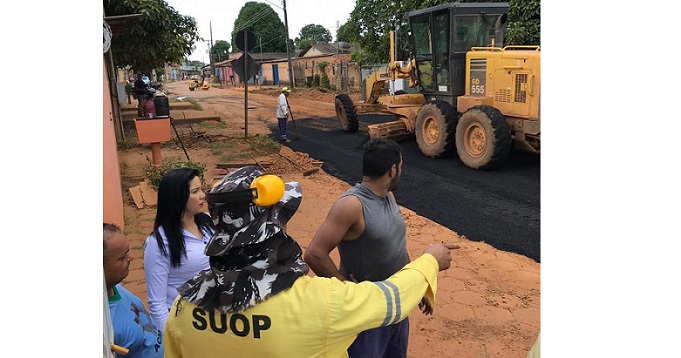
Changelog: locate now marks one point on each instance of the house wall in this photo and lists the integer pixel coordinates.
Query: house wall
(268, 72)
(111, 176)
(354, 76)
(305, 68)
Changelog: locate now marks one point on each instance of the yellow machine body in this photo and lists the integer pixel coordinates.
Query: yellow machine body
(507, 79)
(474, 98)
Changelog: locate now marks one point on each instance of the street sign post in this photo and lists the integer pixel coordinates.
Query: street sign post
(245, 66)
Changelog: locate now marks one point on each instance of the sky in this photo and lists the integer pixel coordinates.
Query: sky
(221, 14)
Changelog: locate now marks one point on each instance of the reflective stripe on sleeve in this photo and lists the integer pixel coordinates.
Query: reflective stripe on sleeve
(398, 304)
(387, 287)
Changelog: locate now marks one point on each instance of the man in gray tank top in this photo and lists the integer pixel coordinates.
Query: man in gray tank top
(366, 225)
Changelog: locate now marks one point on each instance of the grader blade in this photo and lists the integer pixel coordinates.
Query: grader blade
(395, 130)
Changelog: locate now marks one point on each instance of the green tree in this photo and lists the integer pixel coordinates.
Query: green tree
(348, 32)
(160, 36)
(371, 21)
(197, 64)
(264, 23)
(523, 27)
(312, 34)
(220, 50)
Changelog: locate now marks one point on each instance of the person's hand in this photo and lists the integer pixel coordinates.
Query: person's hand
(441, 254)
(425, 306)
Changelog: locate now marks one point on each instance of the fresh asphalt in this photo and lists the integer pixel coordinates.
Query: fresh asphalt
(500, 207)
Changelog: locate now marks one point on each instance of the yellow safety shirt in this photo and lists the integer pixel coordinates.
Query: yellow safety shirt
(316, 317)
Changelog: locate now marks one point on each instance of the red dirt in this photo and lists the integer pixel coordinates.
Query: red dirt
(488, 302)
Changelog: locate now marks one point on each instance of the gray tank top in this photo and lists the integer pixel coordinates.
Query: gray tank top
(381, 250)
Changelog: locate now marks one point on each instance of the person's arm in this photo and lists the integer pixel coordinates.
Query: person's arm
(156, 271)
(366, 305)
(344, 215)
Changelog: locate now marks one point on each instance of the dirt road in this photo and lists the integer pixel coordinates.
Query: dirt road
(488, 302)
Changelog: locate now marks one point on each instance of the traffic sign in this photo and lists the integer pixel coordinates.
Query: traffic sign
(251, 65)
(250, 36)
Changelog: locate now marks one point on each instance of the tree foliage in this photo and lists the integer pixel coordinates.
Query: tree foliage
(371, 21)
(312, 34)
(197, 64)
(160, 36)
(348, 32)
(524, 23)
(220, 51)
(264, 23)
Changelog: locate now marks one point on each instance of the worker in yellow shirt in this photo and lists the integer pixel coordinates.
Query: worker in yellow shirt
(257, 300)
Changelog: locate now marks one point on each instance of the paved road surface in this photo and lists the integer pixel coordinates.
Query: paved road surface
(500, 207)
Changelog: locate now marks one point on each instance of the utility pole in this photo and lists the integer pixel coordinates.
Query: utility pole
(288, 53)
(261, 74)
(339, 65)
(212, 66)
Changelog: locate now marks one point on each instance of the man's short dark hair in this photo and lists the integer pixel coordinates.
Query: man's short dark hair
(380, 154)
(109, 230)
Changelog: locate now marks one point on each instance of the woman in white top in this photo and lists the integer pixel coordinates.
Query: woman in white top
(174, 252)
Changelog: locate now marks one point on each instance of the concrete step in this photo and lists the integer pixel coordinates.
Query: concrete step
(180, 116)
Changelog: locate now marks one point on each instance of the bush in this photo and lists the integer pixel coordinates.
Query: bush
(325, 81)
(156, 174)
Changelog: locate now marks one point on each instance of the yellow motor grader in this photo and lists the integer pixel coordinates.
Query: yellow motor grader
(472, 97)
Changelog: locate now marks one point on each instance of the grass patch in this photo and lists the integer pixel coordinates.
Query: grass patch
(233, 149)
(195, 104)
(263, 145)
(211, 125)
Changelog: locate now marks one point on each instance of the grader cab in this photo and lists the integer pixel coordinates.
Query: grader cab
(474, 98)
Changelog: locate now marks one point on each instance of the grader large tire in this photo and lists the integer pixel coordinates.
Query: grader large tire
(345, 111)
(435, 129)
(483, 138)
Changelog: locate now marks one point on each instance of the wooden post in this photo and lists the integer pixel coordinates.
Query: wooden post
(156, 154)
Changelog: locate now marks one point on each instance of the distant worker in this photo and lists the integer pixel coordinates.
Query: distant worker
(282, 113)
(141, 92)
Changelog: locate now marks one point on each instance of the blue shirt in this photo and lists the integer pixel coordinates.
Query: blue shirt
(133, 327)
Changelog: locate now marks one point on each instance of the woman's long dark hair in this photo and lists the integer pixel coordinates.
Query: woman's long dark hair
(173, 193)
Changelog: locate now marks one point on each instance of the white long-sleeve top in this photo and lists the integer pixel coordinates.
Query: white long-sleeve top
(282, 106)
(162, 279)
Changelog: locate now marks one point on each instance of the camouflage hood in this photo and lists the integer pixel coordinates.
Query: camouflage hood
(251, 257)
